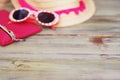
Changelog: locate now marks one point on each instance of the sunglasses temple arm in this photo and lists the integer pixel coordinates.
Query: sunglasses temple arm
(31, 20)
(53, 27)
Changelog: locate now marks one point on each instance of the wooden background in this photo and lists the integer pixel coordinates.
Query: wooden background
(88, 51)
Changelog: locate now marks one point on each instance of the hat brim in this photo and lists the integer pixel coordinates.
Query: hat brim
(72, 19)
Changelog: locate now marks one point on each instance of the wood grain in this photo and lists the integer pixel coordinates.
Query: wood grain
(88, 51)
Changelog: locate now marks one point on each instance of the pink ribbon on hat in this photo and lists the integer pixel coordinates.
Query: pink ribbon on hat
(76, 10)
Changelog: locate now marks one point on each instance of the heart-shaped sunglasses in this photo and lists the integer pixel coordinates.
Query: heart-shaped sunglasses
(43, 17)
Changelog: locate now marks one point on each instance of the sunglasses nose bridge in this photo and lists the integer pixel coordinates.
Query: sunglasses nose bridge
(32, 17)
(35, 14)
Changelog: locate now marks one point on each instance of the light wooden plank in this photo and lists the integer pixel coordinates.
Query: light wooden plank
(85, 69)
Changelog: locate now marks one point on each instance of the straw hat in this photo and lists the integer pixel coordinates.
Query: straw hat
(69, 8)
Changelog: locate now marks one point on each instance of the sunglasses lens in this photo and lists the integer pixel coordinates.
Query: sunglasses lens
(20, 14)
(46, 17)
